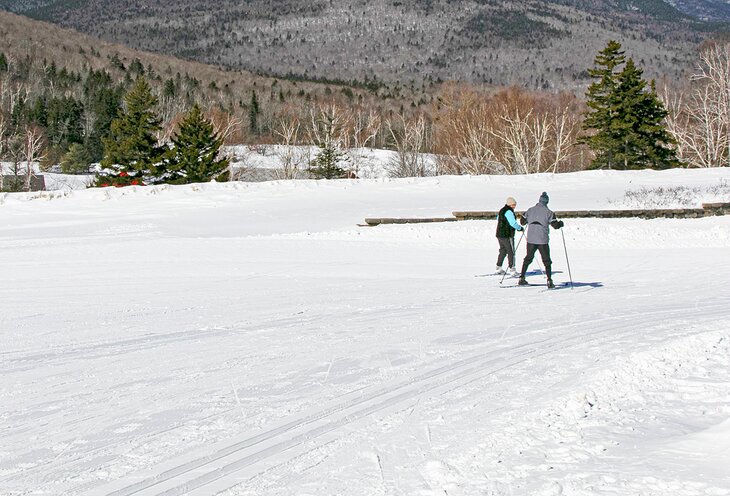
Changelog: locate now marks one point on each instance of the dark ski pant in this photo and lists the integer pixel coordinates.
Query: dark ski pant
(544, 254)
(506, 249)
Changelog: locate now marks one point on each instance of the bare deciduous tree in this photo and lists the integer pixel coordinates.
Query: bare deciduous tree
(18, 95)
(512, 131)
(225, 125)
(412, 140)
(32, 152)
(327, 126)
(525, 137)
(477, 145)
(3, 146)
(171, 110)
(12, 145)
(700, 120)
(675, 119)
(564, 128)
(327, 130)
(290, 156)
(464, 143)
(363, 129)
(714, 74)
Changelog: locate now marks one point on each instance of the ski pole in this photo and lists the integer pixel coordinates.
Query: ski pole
(514, 254)
(566, 259)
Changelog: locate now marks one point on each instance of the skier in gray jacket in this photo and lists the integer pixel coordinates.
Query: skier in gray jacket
(537, 219)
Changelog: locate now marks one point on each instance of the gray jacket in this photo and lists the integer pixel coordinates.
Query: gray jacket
(538, 219)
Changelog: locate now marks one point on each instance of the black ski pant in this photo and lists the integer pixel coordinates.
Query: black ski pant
(544, 254)
(506, 249)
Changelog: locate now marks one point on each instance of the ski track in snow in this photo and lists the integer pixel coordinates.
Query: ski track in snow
(228, 465)
(560, 441)
(218, 467)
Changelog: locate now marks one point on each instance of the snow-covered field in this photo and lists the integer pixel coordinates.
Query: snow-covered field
(365, 163)
(251, 339)
(53, 181)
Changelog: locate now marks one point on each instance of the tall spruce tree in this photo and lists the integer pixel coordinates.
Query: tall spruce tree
(131, 152)
(624, 124)
(253, 114)
(102, 102)
(645, 142)
(194, 156)
(601, 100)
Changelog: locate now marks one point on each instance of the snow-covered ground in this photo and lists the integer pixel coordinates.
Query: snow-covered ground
(251, 339)
(54, 181)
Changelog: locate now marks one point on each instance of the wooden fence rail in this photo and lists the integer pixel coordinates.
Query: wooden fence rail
(708, 209)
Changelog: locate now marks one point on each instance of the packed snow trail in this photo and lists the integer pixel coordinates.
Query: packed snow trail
(223, 468)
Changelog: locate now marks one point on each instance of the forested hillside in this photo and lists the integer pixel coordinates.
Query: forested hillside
(72, 86)
(530, 43)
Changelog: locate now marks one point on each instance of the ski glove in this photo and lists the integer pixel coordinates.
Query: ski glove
(557, 224)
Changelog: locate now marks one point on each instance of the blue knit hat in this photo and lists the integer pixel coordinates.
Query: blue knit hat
(544, 198)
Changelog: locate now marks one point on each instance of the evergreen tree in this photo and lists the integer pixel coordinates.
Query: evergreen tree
(63, 121)
(136, 67)
(645, 142)
(38, 113)
(131, 153)
(76, 160)
(253, 113)
(600, 98)
(19, 113)
(326, 164)
(169, 89)
(626, 116)
(193, 157)
(102, 102)
(52, 72)
(116, 63)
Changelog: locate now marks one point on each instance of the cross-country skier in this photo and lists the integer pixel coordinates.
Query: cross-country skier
(537, 219)
(506, 226)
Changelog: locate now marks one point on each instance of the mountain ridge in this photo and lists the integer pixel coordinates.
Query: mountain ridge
(406, 41)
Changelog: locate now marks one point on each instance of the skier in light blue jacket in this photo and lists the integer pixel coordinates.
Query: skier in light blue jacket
(506, 226)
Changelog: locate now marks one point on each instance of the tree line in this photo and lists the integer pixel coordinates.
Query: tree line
(140, 128)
